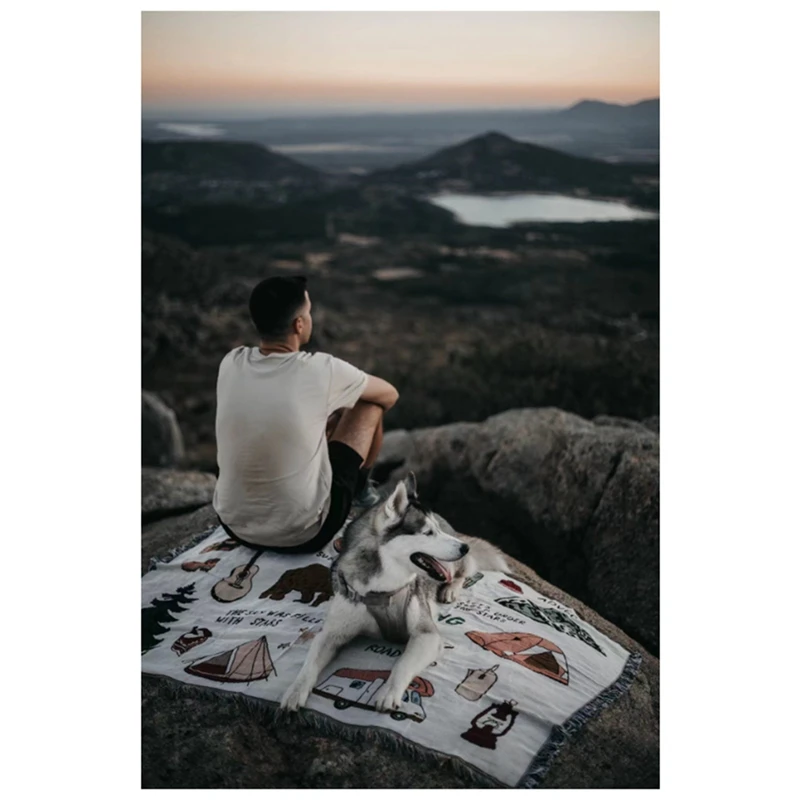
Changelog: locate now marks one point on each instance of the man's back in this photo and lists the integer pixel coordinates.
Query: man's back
(274, 472)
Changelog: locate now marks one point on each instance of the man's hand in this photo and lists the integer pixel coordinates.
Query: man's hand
(380, 392)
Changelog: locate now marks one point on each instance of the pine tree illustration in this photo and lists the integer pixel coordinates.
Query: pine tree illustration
(158, 614)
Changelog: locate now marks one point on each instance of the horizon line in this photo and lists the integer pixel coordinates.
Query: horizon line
(150, 114)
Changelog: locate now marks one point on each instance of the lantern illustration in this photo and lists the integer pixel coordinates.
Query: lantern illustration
(492, 723)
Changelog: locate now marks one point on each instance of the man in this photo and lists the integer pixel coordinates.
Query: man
(297, 432)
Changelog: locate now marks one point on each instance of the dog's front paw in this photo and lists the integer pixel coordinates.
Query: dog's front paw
(388, 698)
(449, 592)
(295, 697)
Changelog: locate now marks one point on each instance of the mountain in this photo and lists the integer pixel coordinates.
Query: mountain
(496, 162)
(596, 112)
(238, 161)
(186, 172)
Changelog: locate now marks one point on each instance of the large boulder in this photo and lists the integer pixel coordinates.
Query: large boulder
(172, 491)
(192, 739)
(576, 500)
(162, 442)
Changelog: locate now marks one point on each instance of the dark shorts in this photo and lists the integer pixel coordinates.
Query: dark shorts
(345, 466)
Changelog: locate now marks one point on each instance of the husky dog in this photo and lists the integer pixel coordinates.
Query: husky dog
(398, 558)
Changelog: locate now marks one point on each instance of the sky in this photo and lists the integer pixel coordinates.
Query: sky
(278, 62)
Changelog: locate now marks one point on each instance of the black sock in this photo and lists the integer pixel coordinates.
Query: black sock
(363, 477)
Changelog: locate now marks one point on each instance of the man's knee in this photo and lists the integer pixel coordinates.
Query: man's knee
(358, 427)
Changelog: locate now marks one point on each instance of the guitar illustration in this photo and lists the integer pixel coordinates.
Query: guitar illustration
(238, 583)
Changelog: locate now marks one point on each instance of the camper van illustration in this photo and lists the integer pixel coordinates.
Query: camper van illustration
(357, 687)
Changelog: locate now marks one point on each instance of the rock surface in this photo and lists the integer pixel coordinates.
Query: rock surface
(162, 442)
(192, 739)
(575, 500)
(171, 491)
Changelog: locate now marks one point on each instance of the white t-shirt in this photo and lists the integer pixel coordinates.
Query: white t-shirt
(274, 473)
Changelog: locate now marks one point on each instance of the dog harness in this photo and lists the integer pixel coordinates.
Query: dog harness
(379, 599)
(392, 621)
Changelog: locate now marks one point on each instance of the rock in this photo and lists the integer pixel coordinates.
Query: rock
(162, 442)
(575, 500)
(164, 535)
(172, 491)
(621, 422)
(192, 739)
(621, 546)
(396, 447)
(395, 450)
(652, 423)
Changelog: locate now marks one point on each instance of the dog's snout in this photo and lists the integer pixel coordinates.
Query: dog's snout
(464, 549)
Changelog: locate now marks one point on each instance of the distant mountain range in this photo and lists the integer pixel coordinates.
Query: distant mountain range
(229, 192)
(596, 112)
(365, 143)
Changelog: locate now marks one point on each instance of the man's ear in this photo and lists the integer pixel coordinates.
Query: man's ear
(411, 484)
(397, 502)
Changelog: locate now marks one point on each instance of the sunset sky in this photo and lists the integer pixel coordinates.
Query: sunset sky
(251, 63)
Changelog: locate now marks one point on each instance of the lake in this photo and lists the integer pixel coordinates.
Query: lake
(500, 211)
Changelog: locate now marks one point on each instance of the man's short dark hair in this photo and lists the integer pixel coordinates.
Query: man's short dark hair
(275, 303)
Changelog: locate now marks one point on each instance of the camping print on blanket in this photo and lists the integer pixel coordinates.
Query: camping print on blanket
(491, 724)
(473, 579)
(225, 545)
(549, 616)
(357, 687)
(156, 616)
(238, 584)
(477, 682)
(193, 638)
(243, 664)
(313, 580)
(205, 566)
(460, 720)
(529, 651)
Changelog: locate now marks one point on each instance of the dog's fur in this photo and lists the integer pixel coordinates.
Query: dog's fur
(375, 562)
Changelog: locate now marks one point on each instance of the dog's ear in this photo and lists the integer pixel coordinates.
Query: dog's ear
(397, 502)
(411, 484)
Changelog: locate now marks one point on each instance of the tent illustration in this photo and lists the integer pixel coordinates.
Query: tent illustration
(247, 662)
(532, 652)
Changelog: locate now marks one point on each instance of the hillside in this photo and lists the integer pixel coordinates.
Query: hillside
(243, 161)
(496, 162)
(369, 211)
(178, 173)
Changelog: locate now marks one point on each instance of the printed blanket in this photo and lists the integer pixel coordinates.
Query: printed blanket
(519, 673)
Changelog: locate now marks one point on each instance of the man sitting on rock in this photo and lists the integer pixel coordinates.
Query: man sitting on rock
(297, 432)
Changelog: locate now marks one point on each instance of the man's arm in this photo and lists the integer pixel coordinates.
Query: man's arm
(380, 392)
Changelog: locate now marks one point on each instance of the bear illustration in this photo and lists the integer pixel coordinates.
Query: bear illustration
(315, 579)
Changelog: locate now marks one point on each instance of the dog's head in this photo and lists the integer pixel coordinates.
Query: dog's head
(410, 536)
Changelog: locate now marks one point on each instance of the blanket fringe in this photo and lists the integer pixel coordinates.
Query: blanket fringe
(561, 734)
(270, 713)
